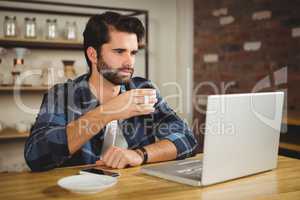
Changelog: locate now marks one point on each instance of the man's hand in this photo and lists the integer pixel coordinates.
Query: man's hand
(116, 157)
(129, 104)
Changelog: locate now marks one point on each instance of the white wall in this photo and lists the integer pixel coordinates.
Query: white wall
(171, 59)
(185, 56)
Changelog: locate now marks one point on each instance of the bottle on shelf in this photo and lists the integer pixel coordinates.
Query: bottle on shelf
(6, 78)
(69, 70)
(49, 76)
(30, 27)
(51, 28)
(18, 66)
(10, 26)
(71, 30)
(17, 70)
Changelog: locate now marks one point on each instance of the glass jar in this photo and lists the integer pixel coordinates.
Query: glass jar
(4, 68)
(49, 76)
(16, 71)
(71, 31)
(30, 27)
(51, 29)
(10, 26)
(69, 70)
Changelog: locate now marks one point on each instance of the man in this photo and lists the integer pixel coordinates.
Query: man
(106, 116)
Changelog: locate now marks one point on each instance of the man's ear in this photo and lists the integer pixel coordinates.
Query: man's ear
(92, 55)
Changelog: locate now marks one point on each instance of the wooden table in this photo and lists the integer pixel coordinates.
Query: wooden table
(283, 183)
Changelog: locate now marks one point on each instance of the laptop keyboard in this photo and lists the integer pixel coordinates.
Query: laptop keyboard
(192, 167)
(190, 170)
(187, 162)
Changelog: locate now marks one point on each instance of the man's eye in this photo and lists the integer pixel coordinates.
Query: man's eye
(119, 51)
(134, 53)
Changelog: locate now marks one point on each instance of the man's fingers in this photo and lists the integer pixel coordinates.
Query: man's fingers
(100, 162)
(108, 153)
(112, 157)
(117, 160)
(123, 163)
(144, 92)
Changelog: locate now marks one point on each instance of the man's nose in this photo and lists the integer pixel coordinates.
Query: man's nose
(129, 61)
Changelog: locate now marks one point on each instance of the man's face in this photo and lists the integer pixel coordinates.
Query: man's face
(118, 57)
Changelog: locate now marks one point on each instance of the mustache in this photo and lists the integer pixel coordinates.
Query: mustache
(117, 69)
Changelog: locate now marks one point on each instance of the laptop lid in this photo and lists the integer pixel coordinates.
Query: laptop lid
(241, 135)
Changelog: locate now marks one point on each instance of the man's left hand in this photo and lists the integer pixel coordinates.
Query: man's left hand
(116, 157)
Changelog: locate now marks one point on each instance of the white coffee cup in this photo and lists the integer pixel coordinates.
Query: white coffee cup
(146, 102)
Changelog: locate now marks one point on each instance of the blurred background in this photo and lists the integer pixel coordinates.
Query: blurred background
(193, 49)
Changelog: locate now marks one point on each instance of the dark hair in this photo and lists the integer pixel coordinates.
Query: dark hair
(96, 32)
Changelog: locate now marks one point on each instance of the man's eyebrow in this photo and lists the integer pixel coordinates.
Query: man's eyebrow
(121, 49)
(118, 49)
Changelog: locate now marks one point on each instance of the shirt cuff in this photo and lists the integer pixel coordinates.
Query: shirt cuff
(183, 147)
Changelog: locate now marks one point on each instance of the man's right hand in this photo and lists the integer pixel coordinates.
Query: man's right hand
(129, 104)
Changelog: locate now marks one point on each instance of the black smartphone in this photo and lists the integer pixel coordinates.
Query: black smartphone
(99, 171)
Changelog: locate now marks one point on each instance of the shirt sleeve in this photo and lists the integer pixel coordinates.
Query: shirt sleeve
(168, 125)
(46, 147)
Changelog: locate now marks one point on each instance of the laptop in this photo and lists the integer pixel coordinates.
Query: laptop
(241, 138)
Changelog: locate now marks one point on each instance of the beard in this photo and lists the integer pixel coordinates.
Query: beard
(113, 75)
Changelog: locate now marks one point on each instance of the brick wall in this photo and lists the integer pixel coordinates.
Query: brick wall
(239, 43)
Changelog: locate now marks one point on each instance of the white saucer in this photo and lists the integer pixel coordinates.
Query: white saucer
(87, 183)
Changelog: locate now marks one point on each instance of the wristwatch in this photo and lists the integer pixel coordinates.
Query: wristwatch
(143, 153)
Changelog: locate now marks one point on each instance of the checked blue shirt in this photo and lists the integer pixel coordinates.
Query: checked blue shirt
(47, 148)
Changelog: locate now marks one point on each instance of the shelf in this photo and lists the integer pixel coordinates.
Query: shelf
(40, 44)
(293, 118)
(10, 133)
(65, 12)
(290, 146)
(24, 88)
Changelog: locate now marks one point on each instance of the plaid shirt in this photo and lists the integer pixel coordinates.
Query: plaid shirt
(47, 147)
